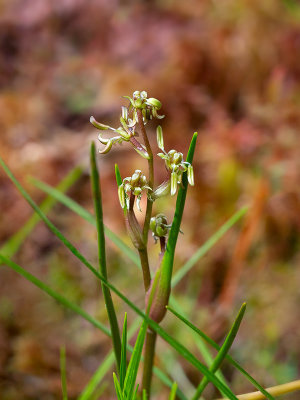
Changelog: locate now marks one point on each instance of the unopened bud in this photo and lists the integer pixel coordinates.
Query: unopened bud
(121, 194)
(173, 183)
(160, 137)
(190, 175)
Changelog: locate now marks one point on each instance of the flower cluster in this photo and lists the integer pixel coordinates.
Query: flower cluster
(174, 163)
(129, 119)
(133, 185)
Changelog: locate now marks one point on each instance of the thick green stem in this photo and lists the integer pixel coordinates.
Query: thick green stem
(148, 360)
(151, 175)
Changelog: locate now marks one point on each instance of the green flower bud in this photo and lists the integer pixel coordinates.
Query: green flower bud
(159, 226)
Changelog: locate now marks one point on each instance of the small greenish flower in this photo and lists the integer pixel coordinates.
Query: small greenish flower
(174, 163)
(159, 226)
(149, 106)
(125, 133)
(133, 185)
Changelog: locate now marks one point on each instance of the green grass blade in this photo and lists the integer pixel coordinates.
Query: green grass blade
(118, 387)
(228, 357)
(175, 344)
(83, 213)
(129, 383)
(97, 377)
(222, 352)
(55, 295)
(63, 372)
(123, 366)
(200, 343)
(173, 391)
(110, 309)
(207, 245)
(168, 259)
(13, 244)
(164, 273)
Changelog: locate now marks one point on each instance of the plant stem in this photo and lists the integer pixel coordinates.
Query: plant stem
(151, 175)
(148, 360)
(143, 253)
(134, 231)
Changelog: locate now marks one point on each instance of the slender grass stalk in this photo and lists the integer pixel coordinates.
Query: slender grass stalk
(13, 244)
(222, 352)
(116, 338)
(63, 372)
(228, 357)
(200, 343)
(208, 245)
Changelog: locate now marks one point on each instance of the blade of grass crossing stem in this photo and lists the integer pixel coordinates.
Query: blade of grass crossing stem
(85, 214)
(173, 391)
(182, 350)
(228, 357)
(116, 339)
(222, 352)
(63, 372)
(13, 244)
(200, 343)
(129, 383)
(123, 365)
(174, 343)
(208, 245)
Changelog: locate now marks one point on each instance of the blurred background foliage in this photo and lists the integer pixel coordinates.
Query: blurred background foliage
(227, 69)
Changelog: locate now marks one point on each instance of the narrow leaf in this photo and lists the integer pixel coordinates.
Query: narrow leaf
(173, 391)
(208, 245)
(117, 387)
(14, 242)
(228, 357)
(134, 363)
(222, 352)
(123, 365)
(63, 372)
(116, 339)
